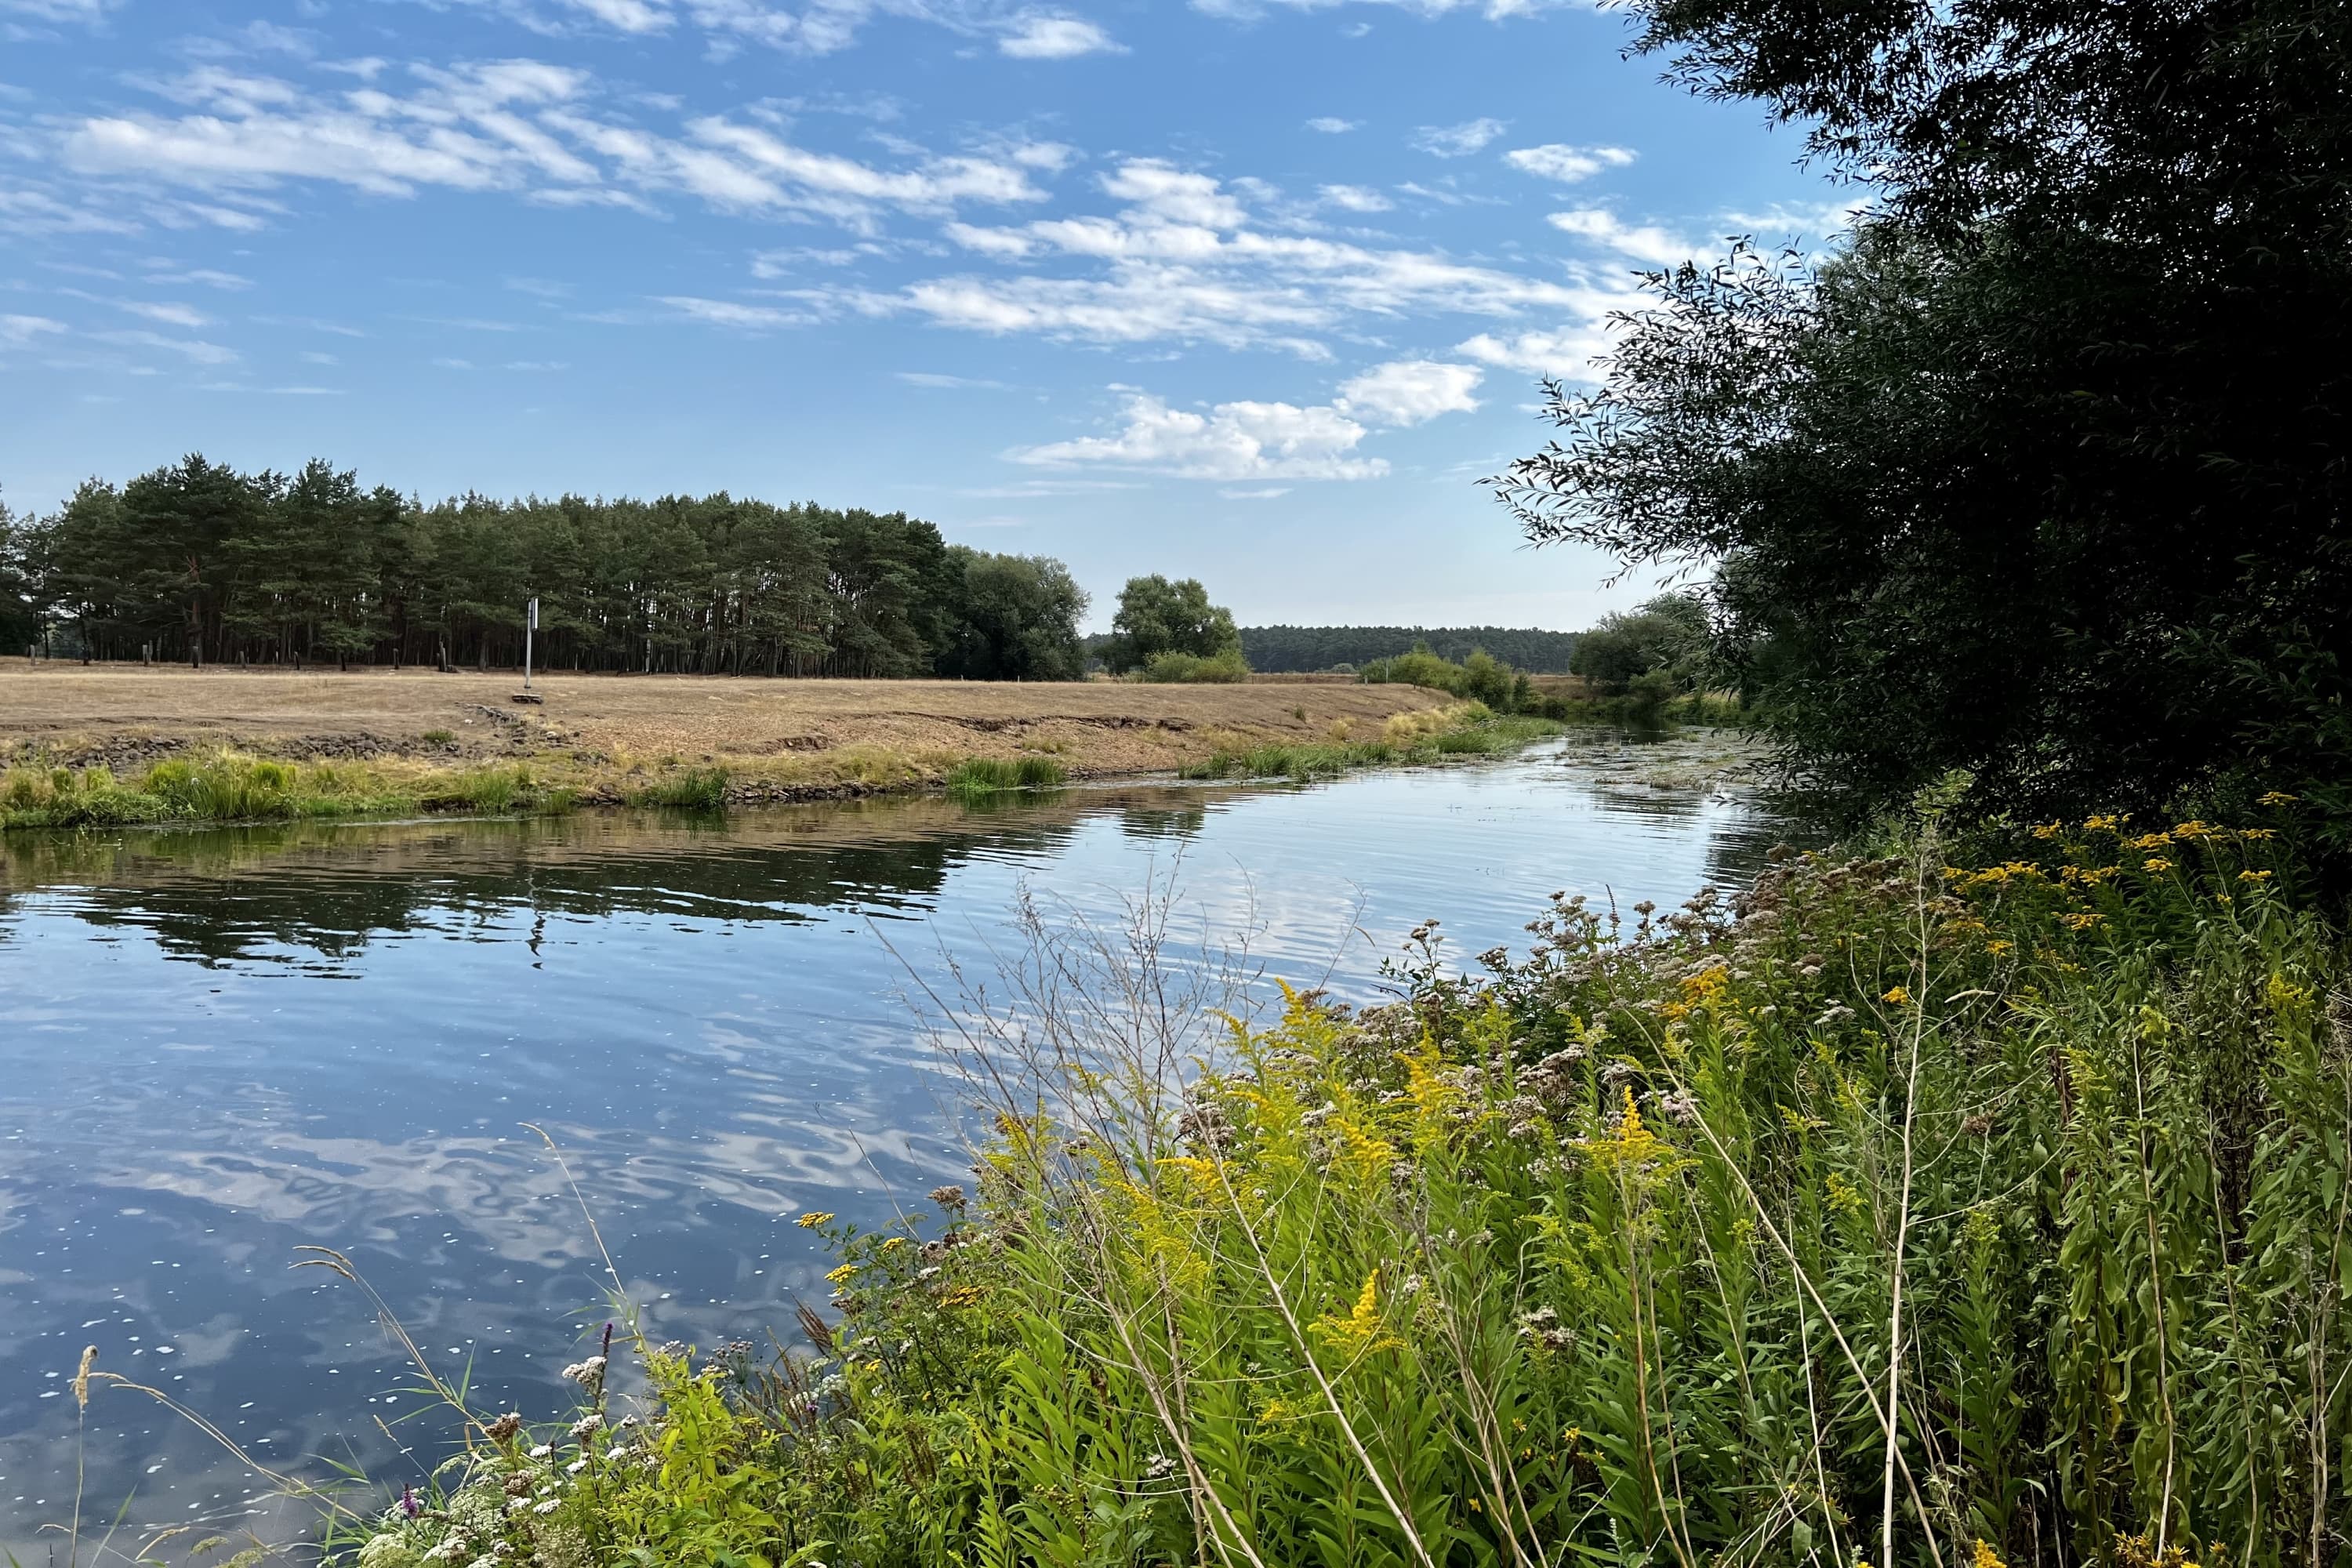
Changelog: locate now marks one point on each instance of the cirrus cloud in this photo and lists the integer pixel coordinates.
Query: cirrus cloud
(1231, 441)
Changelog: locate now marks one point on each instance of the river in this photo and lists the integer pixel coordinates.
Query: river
(218, 1046)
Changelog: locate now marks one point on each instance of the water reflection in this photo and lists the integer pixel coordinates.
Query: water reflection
(221, 1046)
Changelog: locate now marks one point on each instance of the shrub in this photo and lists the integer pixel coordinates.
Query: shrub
(1225, 667)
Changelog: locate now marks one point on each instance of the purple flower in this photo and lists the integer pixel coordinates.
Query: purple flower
(409, 1503)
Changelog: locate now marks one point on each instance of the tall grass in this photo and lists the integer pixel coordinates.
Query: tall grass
(1463, 730)
(979, 777)
(695, 789)
(230, 786)
(1962, 1205)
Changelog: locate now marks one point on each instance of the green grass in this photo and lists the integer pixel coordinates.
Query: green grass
(1475, 733)
(978, 777)
(228, 787)
(695, 789)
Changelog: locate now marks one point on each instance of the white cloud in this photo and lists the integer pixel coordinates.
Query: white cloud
(171, 315)
(1048, 37)
(1268, 492)
(1643, 242)
(1231, 441)
(519, 126)
(731, 313)
(1457, 140)
(60, 10)
(1332, 125)
(206, 276)
(195, 350)
(1493, 10)
(1566, 354)
(1163, 193)
(1356, 198)
(628, 16)
(1558, 161)
(16, 331)
(1409, 391)
(950, 382)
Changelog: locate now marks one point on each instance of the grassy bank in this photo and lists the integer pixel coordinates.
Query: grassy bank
(1958, 1204)
(225, 785)
(1463, 730)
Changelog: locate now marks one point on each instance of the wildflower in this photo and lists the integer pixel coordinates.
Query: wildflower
(81, 1376)
(2278, 797)
(589, 1374)
(409, 1503)
(576, 1466)
(962, 1296)
(2155, 863)
(2193, 830)
(2254, 875)
(1359, 1333)
(2257, 833)
(1998, 946)
(2107, 823)
(893, 1242)
(519, 1484)
(542, 1452)
(1986, 1557)
(547, 1505)
(2047, 830)
(1161, 1468)
(1896, 996)
(587, 1427)
(2081, 921)
(949, 1197)
(813, 1219)
(842, 1274)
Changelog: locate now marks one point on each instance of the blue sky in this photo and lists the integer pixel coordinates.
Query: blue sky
(1247, 289)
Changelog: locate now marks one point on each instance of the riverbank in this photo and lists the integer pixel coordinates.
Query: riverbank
(105, 745)
(1796, 1227)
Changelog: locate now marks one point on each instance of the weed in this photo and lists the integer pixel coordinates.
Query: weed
(697, 789)
(977, 777)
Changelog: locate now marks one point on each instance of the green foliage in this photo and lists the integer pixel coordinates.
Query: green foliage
(1017, 619)
(204, 561)
(1225, 667)
(1157, 617)
(1664, 644)
(1300, 650)
(1466, 729)
(1595, 1257)
(1989, 489)
(1481, 677)
(984, 776)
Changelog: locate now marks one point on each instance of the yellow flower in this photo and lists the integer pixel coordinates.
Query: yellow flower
(894, 1244)
(1998, 946)
(2279, 797)
(2254, 875)
(2083, 921)
(1359, 1333)
(962, 1296)
(2258, 834)
(2049, 830)
(1986, 1557)
(1897, 995)
(813, 1219)
(842, 1274)
(2152, 841)
(2155, 863)
(2194, 829)
(2109, 823)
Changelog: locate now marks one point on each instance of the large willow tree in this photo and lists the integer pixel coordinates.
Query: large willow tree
(2041, 471)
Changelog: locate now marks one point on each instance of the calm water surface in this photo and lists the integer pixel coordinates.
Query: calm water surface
(218, 1046)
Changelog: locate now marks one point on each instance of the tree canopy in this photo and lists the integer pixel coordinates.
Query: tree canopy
(2040, 473)
(1288, 649)
(204, 563)
(1157, 617)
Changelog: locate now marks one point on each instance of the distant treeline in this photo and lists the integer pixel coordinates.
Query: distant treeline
(1296, 648)
(200, 561)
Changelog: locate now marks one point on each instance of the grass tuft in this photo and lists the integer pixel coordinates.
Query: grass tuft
(978, 777)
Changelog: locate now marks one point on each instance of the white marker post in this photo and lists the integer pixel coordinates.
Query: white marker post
(530, 625)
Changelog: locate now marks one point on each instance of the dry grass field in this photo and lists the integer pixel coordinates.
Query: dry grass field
(792, 734)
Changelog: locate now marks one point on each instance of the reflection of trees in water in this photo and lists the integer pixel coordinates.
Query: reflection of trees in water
(1154, 823)
(224, 895)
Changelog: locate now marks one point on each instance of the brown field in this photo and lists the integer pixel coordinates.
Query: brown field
(795, 736)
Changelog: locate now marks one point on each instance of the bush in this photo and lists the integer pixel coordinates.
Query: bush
(1225, 667)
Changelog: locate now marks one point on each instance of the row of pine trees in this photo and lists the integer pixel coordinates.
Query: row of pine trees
(199, 562)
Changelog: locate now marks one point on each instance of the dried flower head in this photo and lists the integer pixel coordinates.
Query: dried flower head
(949, 1197)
